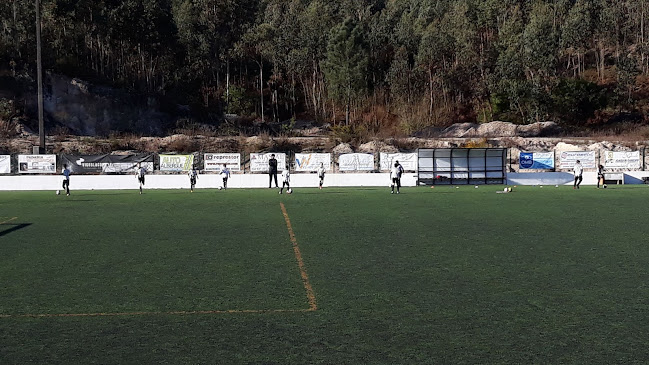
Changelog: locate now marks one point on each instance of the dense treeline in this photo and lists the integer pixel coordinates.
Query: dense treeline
(402, 64)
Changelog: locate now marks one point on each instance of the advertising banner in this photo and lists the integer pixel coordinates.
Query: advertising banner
(312, 161)
(567, 159)
(5, 164)
(259, 161)
(176, 163)
(622, 160)
(356, 162)
(536, 160)
(215, 161)
(97, 164)
(37, 164)
(407, 160)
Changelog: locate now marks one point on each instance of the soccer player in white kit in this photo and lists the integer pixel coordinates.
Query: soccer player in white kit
(578, 170)
(395, 177)
(225, 174)
(140, 173)
(193, 175)
(286, 179)
(321, 174)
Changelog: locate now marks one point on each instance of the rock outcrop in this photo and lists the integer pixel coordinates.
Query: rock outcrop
(500, 129)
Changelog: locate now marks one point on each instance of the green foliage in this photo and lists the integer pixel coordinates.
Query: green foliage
(576, 100)
(241, 101)
(347, 61)
(465, 59)
(288, 127)
(348, 133)
(7, 109)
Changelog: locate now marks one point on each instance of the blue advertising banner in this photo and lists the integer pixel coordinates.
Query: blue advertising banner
(537, 160)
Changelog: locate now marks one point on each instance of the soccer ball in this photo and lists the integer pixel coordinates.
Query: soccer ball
(506, 190)
(58, 192)
(289, 191)
(220, 187)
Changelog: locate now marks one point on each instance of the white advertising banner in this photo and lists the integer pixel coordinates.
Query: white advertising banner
(622, 160)
(259, 161)
(567, 159)
(37, 164)
(312, 161)
(407, 160)
(215, 161)
(176, 162)
(356, 162)
(5, 164)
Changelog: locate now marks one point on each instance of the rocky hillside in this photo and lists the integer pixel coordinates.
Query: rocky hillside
(535, 137)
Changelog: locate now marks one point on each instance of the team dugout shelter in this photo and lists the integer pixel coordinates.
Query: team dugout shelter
(461, 166)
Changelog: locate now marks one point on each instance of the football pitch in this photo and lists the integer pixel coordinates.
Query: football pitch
(334, 276)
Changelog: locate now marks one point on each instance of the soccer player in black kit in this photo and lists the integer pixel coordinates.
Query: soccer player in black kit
(272, 171)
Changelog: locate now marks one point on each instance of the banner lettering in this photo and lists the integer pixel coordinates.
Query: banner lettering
(567, 159)
(215, 161)
(622, 160)
(259, 161)
(97, 164)
(356, 162)
(37, 164)
(536, 160)
(407, 160)
(312, 161)
(5, 164)
(176, 163)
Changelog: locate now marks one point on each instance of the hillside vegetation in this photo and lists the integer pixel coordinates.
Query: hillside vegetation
(376, 68)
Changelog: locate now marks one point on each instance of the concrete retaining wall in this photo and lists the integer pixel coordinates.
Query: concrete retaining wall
(211, 181)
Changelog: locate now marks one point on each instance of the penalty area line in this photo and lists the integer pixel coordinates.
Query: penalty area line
(8, 220)
(300, 262)
(159, 313)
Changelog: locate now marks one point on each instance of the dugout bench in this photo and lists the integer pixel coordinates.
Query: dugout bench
(614, 178)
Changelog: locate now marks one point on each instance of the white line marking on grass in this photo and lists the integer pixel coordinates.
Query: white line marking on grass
(8, 220)
(298, 256)
(171, 313)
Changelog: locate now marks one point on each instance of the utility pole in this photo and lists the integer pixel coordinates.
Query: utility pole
(39, 70)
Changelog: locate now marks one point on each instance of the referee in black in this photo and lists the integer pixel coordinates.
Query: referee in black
(272, 171)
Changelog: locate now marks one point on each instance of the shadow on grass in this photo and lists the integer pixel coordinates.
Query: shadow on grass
(14, 227)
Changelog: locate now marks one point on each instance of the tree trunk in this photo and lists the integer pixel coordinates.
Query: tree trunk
(227, 85)
(314, 87)
(431, 91)
(261, 86)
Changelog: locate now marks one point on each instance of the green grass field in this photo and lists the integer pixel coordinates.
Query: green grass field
(430, 276)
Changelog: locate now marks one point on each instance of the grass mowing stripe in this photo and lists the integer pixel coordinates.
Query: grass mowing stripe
(298, 256)
(228, 311)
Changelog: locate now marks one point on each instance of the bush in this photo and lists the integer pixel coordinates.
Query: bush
(184, 145)
(241, 102)
(576, 100)
(348, 133)
(8, 128)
